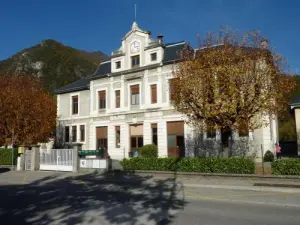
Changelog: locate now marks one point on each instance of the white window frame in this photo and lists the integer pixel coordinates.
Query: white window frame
(106, 98)
(150, 56)
(78, 140)
(149, 92)
(115, 146)
(116, 62)
(71, 103)
(64, 134)
(114, 99)
(129, 93)
(79, 133)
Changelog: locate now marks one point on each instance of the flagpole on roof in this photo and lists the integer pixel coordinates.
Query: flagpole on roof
(135, 12)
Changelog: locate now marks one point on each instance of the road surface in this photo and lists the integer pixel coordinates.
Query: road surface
(53, 198)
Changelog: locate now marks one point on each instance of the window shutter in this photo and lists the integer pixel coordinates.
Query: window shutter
(135, 89)
(153, 93)
(118, 99)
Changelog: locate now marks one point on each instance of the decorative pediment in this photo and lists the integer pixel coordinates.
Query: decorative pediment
(135, 29)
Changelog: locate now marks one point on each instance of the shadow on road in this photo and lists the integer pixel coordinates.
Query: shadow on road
(4, 170)
(120, 198)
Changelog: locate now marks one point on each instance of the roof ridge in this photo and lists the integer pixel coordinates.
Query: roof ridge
(174, 43)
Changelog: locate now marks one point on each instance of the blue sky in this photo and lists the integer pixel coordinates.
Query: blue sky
(100, 25)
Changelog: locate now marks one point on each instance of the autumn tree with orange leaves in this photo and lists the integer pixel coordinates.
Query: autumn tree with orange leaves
(234, 80)
(26, 111)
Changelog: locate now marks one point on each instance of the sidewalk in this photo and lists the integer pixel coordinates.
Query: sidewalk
(192, 181)
(234, 183)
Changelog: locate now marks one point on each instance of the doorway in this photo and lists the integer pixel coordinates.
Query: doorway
(101, 134)
(136, 138)
(176, 146)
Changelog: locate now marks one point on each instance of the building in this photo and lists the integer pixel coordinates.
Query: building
(125, 104)
(295, 106)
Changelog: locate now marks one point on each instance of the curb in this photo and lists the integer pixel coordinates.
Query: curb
(218, 174)
(245, 188)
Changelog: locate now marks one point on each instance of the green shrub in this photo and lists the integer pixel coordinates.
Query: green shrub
(269, 156)
(5, 156)
(149, 151)
(286, 167)
(203, 165)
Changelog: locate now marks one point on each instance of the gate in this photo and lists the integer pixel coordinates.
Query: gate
(56, 159)
(27, 159)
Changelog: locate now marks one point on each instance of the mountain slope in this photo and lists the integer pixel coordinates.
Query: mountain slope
(54, 63)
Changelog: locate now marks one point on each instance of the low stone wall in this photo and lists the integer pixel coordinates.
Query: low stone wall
(94, 163)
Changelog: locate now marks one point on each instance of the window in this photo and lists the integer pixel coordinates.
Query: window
(137, 141)
(243, 129)
(118, 98)
(118, 65)
(67, 134)
(135, 94)
(74, 133)
(82, 133)
(102, 99)
(102, 143)
(75, 104)
(153, 56)
(133, 142)
(153, 94)
(211, 132)
(135, 61)
(172, 141)
(140, 142)
(154, 133)
(171, 89)
(118, 135)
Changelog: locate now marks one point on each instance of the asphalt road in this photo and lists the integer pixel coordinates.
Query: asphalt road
(37, 198)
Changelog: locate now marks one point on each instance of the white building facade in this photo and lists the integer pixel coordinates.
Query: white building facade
(126, 103)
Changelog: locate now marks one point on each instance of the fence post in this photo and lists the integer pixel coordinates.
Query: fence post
(35, 157)
(76, 147)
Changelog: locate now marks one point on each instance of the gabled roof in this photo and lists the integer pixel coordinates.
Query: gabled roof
(134, 28)
(78, 85)
(295, 102)
(103, 69)
(172, 52)
(171, 55)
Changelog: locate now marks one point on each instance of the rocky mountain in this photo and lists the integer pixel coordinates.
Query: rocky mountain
(54, 63)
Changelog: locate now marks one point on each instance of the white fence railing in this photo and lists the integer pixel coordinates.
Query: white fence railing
(56, 159)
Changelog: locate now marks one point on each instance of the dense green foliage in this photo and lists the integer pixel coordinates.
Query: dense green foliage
(149, 151)
(269, 156)
(286, 122)
(59, 64)
(6, 155)
(286, 167)
(203, 165)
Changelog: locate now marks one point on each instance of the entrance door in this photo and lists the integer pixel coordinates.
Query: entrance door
(176, 139)
(136, 138)
(101, 134)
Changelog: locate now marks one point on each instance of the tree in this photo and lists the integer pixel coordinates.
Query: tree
(234, 80)
(26, 111)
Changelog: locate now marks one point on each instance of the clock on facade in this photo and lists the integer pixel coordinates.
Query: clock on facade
(135, 46)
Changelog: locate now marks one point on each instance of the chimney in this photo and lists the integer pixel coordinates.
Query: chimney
(160, 38)
(264, 43)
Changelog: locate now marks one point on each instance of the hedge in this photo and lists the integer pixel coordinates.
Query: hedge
(203, 165)
(5, 156)
(269, 156)
(286, 167)
(149, 151)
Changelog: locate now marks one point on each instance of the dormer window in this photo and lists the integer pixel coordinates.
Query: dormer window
(153, 56)
(135, 61)
(118, 64)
